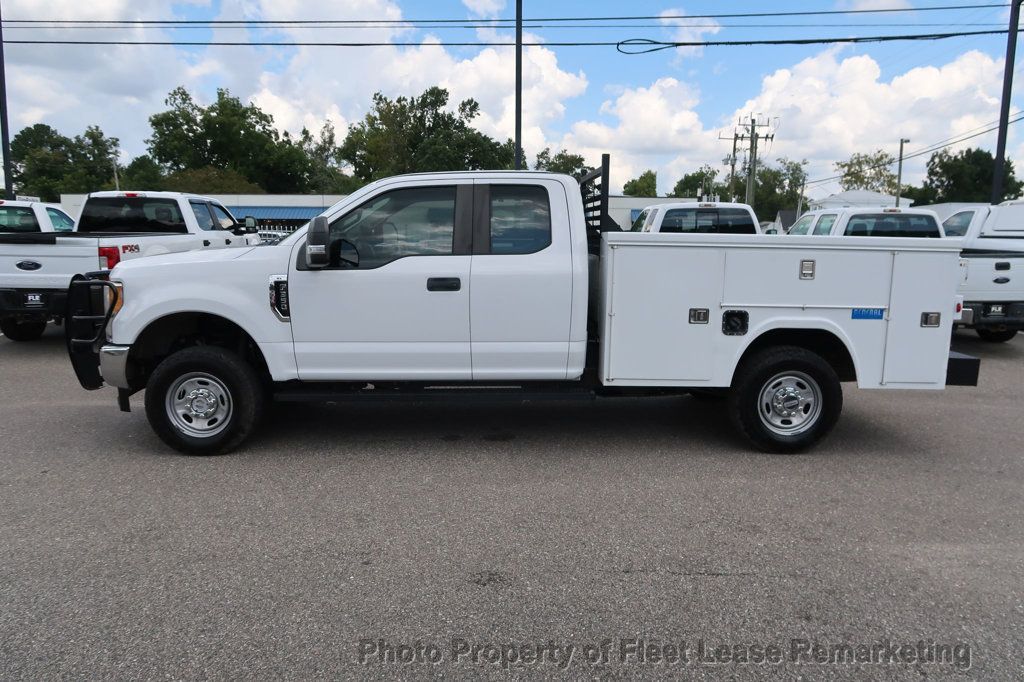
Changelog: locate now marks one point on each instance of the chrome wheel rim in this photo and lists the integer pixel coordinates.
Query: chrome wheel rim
(199, 405)
(790, 403)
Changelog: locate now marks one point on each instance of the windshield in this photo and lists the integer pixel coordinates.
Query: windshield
(802, 226)
(638, 224)
(131, 214)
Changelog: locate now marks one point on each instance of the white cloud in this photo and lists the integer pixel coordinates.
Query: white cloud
(484, 8)
(687, 30)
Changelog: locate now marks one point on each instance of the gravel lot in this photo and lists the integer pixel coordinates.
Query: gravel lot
(575, 523)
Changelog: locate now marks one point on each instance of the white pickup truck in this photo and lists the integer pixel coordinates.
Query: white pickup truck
(38, 260)
(697, 217)
(993, 240)
(479, 283)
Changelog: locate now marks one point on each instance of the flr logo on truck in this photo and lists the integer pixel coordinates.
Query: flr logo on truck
(130, 248)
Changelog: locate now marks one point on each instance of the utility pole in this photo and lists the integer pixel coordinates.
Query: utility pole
(754, 136)
(519, 84)
(5, 131)
(899, 173)
(731, 162)
(999, 172)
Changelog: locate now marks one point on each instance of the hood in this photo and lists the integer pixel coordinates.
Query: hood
(183, 258)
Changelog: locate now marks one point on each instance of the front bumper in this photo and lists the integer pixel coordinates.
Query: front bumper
(114, 365)
(1011, 318)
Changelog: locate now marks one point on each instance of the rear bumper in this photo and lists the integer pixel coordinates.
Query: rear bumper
(33, 303)
(1011, 318)
(962, 370)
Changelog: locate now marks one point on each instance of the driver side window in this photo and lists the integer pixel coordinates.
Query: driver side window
(419, 221)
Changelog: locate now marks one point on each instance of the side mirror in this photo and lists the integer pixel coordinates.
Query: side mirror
(318, 239)
(251, 224)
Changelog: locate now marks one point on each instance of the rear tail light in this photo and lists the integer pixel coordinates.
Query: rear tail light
(109, 257)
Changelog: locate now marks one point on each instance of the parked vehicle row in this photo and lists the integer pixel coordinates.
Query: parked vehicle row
(992, 284)
(41, 249)
(516, 284)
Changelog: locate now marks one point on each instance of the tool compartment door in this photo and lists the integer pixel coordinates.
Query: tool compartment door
(649, 333)
(922, 282)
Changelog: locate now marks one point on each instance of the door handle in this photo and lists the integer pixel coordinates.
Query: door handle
(444, 284)
(227, 241)
(206, 242)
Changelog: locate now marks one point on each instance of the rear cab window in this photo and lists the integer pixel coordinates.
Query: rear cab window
(18, 219)
(520, 219)
(131, 214)
(708, 221)
(892, 225)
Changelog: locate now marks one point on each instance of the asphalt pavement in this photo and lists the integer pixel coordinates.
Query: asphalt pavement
(540, 540)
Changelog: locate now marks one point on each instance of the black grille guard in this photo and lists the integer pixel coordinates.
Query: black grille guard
(86, 319)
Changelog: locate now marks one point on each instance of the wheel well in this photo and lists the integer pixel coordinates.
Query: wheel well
(824, 343)
(172, 333)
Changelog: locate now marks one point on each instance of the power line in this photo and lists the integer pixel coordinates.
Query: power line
(181, 27)
(635, 46)
(491, 22)
(644, 45)
(922, 152)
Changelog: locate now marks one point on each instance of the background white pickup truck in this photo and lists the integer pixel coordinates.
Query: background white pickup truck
(993, 240)
(477, 283)
(697, 217)
(36, 265)
(27, 217)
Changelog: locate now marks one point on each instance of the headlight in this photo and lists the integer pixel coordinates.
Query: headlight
(115, 297)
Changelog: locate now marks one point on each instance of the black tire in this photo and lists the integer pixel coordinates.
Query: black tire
(246, 398)
(22, 331)
(753, 379)
(993, 336)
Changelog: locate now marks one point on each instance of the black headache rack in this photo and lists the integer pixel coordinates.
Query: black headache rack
(85, 326)
(594, 187)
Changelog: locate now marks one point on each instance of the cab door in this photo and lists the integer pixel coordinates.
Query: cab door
(394, 302)
(522, 300)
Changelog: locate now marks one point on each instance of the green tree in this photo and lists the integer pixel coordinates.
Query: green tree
(46, 163)
(964, 176)
(698, 184)
(142, 173)
(868, 171)
(411, 134)
(325, 174)
(778, 187)
(228, 135)
(646, 185)
(210, 180)
(562, 162)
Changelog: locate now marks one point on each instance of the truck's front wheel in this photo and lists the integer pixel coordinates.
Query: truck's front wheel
(204, 400)
(22, 331)
(785, 399)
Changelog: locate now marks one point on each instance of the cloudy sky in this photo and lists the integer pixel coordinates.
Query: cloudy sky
(664, 111)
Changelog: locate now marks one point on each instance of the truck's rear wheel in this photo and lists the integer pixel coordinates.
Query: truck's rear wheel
(22, 331)
(785, 399)
(204, 400)
(993, 336)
